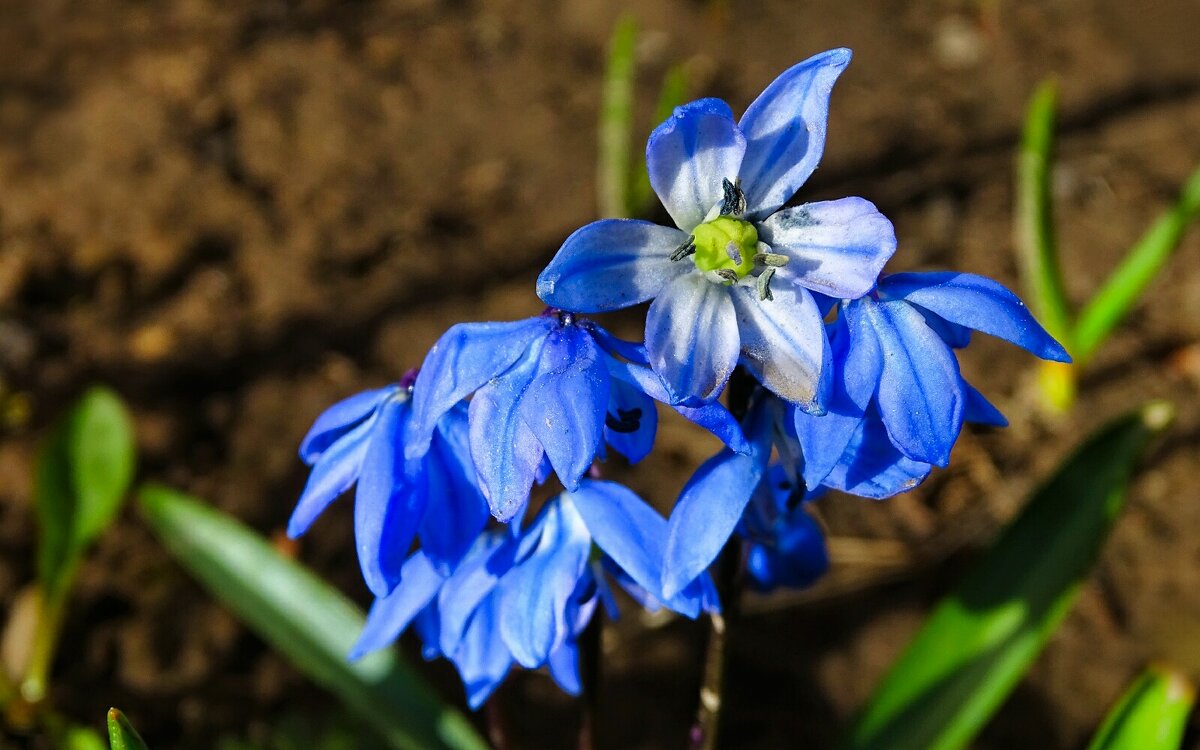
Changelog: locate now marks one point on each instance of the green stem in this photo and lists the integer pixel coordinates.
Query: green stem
(51, 612)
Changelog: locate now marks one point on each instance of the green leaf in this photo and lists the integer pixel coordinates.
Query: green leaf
(980, 639)
(305, 619)
(121, 734)
(616, 121)
(1151, 715)
(83, 472)
(671, 95)
(1143, 262)
(1033, 224)
(82, 738)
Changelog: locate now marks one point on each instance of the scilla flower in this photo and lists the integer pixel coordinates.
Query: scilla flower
(731, 284)
(898, 400)
(526, 596)
(546, 389)
(784, 544)
(361, 439)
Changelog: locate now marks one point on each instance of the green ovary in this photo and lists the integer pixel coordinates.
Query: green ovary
(713, 241)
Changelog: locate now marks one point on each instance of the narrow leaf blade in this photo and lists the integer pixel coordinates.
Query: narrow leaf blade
(616, 121)
(121, 734)
(1033, 225)
(54, 505)
(980, 639)
(1145, 259)
(102, 453)
(305, 619)
(1151, 715)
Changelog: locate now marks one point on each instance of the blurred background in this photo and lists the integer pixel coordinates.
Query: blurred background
(237, 213)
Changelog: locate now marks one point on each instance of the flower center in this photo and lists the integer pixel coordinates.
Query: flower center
(726, 243)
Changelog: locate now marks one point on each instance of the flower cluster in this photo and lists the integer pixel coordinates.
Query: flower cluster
(851, 383)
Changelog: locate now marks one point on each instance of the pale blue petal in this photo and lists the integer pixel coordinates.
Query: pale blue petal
(457, 511)
(387, 506)
(785, 131)
(979, 410)
(463, 359)
(692, 338)
(334, 472)
(690, 155)
(507, 454)
(338, 420)
(873, 467)
(391, 615)
(783, 341)
(632, 417)
(836, 248)
(611, 264)
(566, 407)
(473, 581)
(564, 668)
(975, 302)
(920, 389)
(711, 416)
(534, 594)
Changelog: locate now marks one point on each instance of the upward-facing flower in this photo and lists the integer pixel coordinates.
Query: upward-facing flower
(361, 440)
(898, 401)
(732, 282)
(548, 392)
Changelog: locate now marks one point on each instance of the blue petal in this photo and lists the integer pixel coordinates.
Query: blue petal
(630, 532)
(534, 594)
(711, 505)
(564, 668)
(629, 350)
(783, 341)
(857, 365)
(457, 511)
(334, 472)
(506, 452)
(711, 416)
(611, 264)
(473, 581)
(979, 410)
(482, 659)
(785, 131)
(920, 389)
(338, 420)
(956, 336)
(836, 248)
(387, 506)
(634, 417)
(690, 155)
(692, 338)
(975, 302)
(873, 467)
(565, 408)
(463, 359)
(391, 615)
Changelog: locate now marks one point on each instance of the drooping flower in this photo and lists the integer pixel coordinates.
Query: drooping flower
(525, 596)
(361, 440)
(898, 401)
(732, 283)
(785, 546)
(549, 391)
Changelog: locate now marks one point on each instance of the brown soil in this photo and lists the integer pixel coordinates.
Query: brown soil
(237, 213)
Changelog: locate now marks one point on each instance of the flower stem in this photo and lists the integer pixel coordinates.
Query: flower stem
(729, 580)
(589, 674)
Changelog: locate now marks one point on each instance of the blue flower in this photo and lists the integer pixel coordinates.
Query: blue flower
(361, 440)
(784, 544)
(898, 400)
(732, 283)
(526, 596)
(549, 392)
